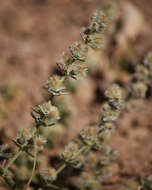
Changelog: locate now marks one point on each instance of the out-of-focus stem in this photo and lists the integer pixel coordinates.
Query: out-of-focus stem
(33, 170)
(12, 160)
(82, 149)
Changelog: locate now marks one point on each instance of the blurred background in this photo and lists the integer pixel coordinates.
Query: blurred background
(34, 33)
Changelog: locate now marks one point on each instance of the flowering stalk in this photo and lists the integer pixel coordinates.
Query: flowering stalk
(81, 150)
(12, 161)
(142, 77)
(91, 136)
(47, 115)
(21, 149)
(139, 82)
(74, 67)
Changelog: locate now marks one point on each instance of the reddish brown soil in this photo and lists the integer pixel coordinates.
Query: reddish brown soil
(32, 36)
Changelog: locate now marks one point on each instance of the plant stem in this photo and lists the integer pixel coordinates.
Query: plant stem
(87, 149)
(33, 170)
(17, 154)
(12, 160)
(83, 148)
(61, 168)
(2, 180)
(53, 186)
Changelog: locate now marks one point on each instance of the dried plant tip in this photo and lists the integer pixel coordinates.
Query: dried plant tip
(48, 175)
(79, 50)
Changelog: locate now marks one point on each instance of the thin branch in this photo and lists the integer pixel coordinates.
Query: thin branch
(33, 170)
